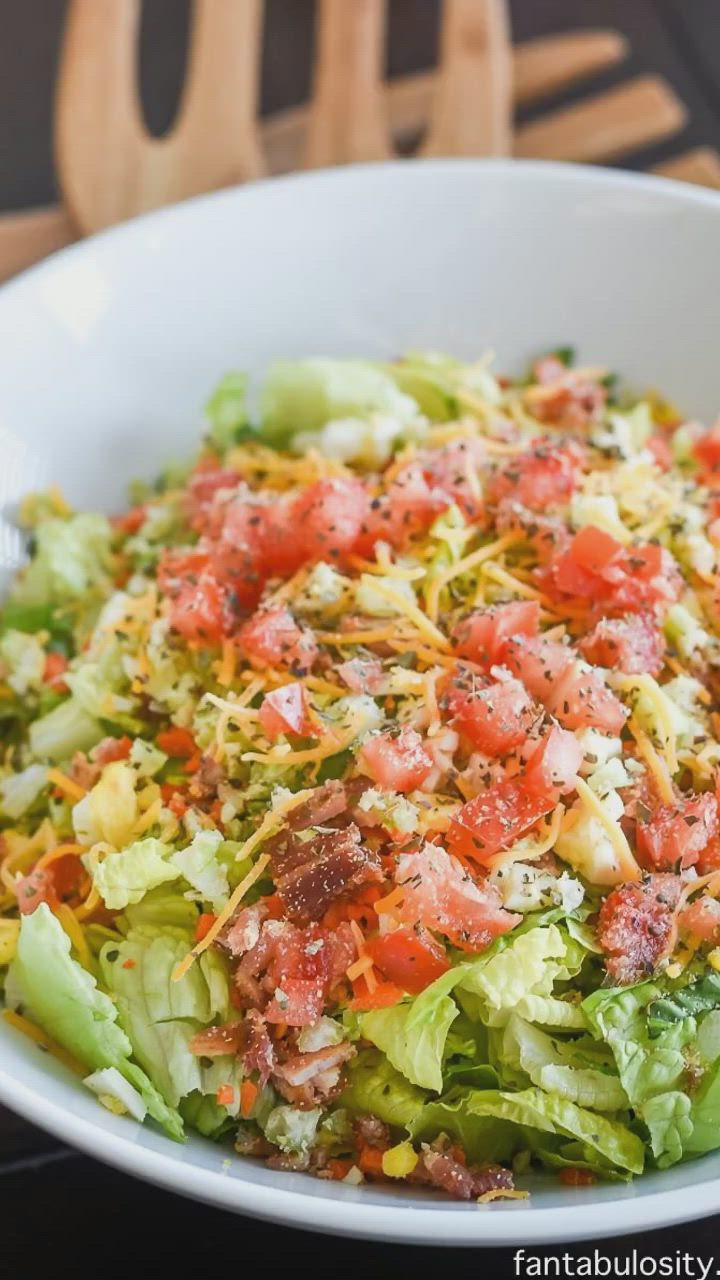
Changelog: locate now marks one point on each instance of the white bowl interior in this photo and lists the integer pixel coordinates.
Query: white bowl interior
(109, 351)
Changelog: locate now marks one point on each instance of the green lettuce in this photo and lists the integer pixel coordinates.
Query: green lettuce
(123, 878)
(374, 1087)
(226, 411)
(302, 395)
(559, 1067)
(161, 1016)
(63, 731)
(464, 1115)
(525, 964)
(64, 999)
(690, 1001)
(71, 559)
(199, 865)
(412, 1034)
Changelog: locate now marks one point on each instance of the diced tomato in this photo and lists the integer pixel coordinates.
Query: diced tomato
(55, 667)
(598, 569)
(305, 966)
(677, 835)
(410, 958)
(362, 675)
(635, 926)
(542, 477)
(633, 644)
(396, 761)
(404, 511)
(555, 763)
(442, 895)
(451, 472)
(496, 715)
(702, 917)
(177, 742)
(177, 565)
(272, 638)
(581, 700)
(285, 710)
(130, 521)
(201, 489)
(328, 516)
(52, 884)
(496, 818)
(547, 535)
(707, 450)
(660, 450)
(109, 750)
(548, 369)
(200, 610)
(538, 662)
(483, 634)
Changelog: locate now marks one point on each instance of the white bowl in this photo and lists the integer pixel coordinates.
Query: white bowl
(108, 351)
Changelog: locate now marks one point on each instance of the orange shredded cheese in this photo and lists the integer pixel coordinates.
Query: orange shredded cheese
(60, 780)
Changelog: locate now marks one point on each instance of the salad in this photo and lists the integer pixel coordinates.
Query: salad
(359, 783)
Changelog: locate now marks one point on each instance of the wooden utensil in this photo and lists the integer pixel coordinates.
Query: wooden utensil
(472, 113)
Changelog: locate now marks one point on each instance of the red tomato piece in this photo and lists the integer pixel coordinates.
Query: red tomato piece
(677, 835)
(707, 450)
(110, 749)
(555, 763)
(544, 476)
(396, 761)
(403, 512)
(272, 638)
(50, 884)
(452, 474)
(483, 634)
(594, 550)
(597, 569)
(130, 521)
(660, 450)
(581, 700)
(177, 742)
(538, 662)
(496, 715)
(202, 488)
(56, 664)
(177, 566)
(633, 644)
(496, 818)
(408, 957)
(285, 710)
(635, 927)
(328, 516)
(201, 611)
(702, 917)
(441, 894)
(306, 964)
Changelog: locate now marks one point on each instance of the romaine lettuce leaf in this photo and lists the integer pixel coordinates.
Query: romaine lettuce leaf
(374, 1087)
(160, 1016)
(64, 999)
(226, 411)
(71, 558)
(66, 729)
(200, 866)
(125, 877)
(413, 1033)
(302, 395)
(459, 1115)
(558, 1067)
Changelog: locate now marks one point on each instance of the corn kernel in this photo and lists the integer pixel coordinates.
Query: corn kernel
(9, 934)
(714, 958)
(399, 1161)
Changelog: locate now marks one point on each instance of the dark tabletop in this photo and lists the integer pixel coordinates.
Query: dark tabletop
(57, 1207)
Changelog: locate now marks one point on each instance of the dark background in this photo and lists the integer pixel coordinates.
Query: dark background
(60, 1209)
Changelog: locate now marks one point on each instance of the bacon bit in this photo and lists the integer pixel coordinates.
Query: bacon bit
(338, 1170)
(225, 1095)
(204, 924)
(129, 963)
(65, 785)
(248, 1095)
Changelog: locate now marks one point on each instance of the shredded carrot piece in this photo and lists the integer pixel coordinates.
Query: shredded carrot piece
(248, 1095)
(385, 906)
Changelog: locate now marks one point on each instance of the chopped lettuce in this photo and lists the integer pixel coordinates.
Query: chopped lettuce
(465, 1116)
(64, 999)
(558, 1067)
(159, 1016)
(19, 791)
(22, 660)
(71, 559)
(125, 877)
(373, 1086)
(199, 865)
(413, 1033)
(292, 1130)
(226, 411)
(63, 731)
(302, 395)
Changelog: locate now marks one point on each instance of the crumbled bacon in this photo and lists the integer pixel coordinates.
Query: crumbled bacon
(290, 972)
(205, 781)
(255, 1046)
(214, 1042)
(635, 926)
(442, 1169)
(243, 932)
(309, 1079)
(372, 1132)
(334, 863)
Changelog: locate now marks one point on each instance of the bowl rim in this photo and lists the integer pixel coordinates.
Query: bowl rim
(418, 1222)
